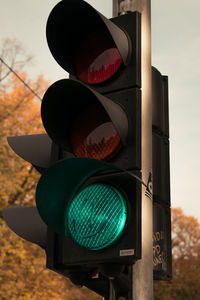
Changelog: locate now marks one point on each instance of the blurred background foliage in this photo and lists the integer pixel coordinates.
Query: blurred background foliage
(22, 265)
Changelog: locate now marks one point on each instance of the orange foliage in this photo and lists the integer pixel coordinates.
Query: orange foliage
(185, 235)
(22, 265)
(19, 115)
(23, 275)
(185, 282)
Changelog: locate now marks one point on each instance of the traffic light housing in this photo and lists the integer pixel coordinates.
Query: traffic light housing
(162, 250)
(89, 119)
(89, 194)
(95, 214)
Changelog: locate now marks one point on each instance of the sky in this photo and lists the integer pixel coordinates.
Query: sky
(175, 52)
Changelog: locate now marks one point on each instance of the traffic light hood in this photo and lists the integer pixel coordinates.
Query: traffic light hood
(72, 21)
(66, 99)
(60, 184)
(27, 223)
(34, 148)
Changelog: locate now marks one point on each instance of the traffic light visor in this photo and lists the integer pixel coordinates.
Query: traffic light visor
(34, 148)
(26, 223)
(74, 29)
(83, 121)
(59, 185)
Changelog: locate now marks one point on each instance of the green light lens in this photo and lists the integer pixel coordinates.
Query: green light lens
(96, 216)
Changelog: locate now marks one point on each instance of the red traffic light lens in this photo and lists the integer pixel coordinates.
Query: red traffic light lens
(94, 136)
(97, 58)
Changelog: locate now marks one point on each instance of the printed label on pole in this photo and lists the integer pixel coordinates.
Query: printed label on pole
(149, 188)
(127, 252)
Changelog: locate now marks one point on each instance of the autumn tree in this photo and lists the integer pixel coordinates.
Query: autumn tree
(22, 265)
(186, 260)
(13, 54)
(23, 274)
(19, 115)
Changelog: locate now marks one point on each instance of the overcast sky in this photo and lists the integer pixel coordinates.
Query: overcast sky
(175, 52)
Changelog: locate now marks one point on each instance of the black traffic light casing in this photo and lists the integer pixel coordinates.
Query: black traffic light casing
(119, 97)
(162, 251)
(126, 250)
(67, 172)
(66, 99)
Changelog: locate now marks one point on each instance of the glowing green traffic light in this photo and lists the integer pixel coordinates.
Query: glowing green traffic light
(96, 216)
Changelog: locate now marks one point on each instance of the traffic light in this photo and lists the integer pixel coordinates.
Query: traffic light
(27, 223)
(89, 194)
(94, 120)
(162, 256)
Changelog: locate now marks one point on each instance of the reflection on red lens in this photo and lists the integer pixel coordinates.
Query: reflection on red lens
(97, 58)
(94, 136)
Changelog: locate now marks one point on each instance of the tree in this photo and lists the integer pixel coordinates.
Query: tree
(13, 54)
(23, 274)
(186, 260)
(19, 114)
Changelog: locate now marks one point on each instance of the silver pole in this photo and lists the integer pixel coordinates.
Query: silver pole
(142, 282)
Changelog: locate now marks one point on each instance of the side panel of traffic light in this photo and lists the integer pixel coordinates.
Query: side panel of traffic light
(162, 255)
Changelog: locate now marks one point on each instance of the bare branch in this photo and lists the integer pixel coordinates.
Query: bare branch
(13, 53)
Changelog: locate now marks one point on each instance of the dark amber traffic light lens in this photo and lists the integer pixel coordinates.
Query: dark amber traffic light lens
(97, 58)
(94, 136)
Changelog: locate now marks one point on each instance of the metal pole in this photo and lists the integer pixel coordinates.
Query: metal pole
(142, 282)
(112, 295)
